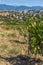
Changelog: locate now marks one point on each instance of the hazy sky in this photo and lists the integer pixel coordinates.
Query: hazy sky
(23, 2)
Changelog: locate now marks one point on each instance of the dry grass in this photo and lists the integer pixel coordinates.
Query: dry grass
(11, 43)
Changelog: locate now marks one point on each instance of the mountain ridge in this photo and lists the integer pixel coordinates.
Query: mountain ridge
(11, 7)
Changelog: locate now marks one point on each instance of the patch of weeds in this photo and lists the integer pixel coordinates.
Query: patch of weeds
(3, 47)
(3, 35)
(11, 34)
(13, 51)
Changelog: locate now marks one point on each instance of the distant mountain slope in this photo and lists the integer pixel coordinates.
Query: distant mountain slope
(9, 7)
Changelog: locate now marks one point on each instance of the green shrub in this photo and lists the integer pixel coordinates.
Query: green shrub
(35, 29)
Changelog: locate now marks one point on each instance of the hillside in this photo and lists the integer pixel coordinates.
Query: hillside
(15, 38)
(13, 48)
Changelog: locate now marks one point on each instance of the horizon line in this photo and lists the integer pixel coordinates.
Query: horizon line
(22, 5)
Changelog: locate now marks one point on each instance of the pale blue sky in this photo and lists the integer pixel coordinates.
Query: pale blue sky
(23, 2)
